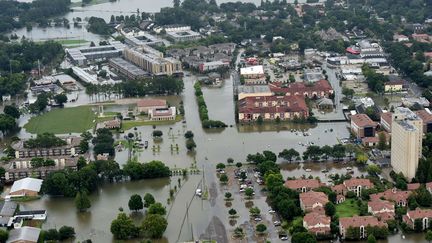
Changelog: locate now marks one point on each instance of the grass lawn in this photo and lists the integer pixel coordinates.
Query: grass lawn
(126, 125)
(348, 208)
(62, 121)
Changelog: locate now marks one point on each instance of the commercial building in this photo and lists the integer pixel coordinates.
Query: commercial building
(272, 107)
(181, 33)
(143, 39)
(360, 223)
(26, 187)
(362, 126)
(152, 61)
(163, 114)
(406, 144)
(145, 105)
(253, 75)
(210, 66)
(82, 55)
(127, 69)
(318, 89)
(85, 76)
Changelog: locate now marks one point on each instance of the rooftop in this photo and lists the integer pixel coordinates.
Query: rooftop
(362, 120)
(24, 234)
(250, 89)
(358, 182)
(357, 221)
(151, 102)
(253, 70)
(378, 205)
(424, 115)
(300, 183)
(28, 183)
(8, 208)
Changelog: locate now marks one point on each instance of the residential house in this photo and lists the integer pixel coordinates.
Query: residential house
(357, 185)
(270, 108)
(400, 38)
(413, 186)
(425, 215)
(339, 189)
(394, 86)
(362, 126)
(421, 37)
(311, 201)
(316, 223)
(359, 222)
(24, 234)
(7, 212)
(400, 198)
(303, 185)
(382, 209)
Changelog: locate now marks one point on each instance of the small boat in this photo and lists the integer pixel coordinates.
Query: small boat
(308, 170)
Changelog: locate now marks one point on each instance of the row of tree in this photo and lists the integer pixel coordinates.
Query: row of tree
(203, 111)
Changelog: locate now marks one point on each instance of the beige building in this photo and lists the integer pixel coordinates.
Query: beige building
(155, 64)
(406, 141)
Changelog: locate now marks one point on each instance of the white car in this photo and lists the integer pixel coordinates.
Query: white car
(271, 211)
(258, 219)
(277, 223)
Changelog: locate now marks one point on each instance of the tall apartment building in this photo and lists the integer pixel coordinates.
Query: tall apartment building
(406, 141)
(155, 64)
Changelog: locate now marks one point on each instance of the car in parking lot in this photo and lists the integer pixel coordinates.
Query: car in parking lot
(271, 211)
(257, 219)
(277, 223)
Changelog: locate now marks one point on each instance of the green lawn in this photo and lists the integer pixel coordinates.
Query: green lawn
(62, 121)
(348, 208)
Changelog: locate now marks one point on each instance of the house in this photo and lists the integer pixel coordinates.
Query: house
(270, 108)
(413, 186)
(24, 234)
(7, 212)
(384, 210)
(429, 186)
(400, 38)
(386, 121)
(340, 199)
(394, 86)
(362, 126)
(359, 222)
(144, 105)
(318, 224)
(357, 185)
(303, 185)
(26, 187)
(339, 189)
(163, 114)
(400, 198)
(319, 89)
(311, 201)
(425, 215)
(421, 37)
(426, 117)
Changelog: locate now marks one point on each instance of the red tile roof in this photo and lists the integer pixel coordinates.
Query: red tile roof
(419, 214)
(300, 88)
(413, 186)
(386, 216)
(387, 117)
(378, 205)
(392, 195)
(151, 102)
(285, 104)
(313, 219)
(362, 120)
(339, 189)
(300, 183)
(358, 182)
(424, 115)
(429, 185)
(308, 199)
(357, 221)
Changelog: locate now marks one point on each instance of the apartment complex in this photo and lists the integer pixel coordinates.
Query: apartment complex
(406, 144)
(153, 61)
(72, 147)
(82, 55)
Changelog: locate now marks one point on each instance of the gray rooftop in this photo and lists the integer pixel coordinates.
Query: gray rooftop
(8, 208)
(128, 66)
(253, 89)
(407, 113)
(24, 234)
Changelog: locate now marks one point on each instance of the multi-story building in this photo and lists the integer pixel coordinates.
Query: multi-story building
(386, 121)
(425, 215)
(356, 185)
(362, 126)
(82, 55)
(313, 201)
(272, 107)
(70, 148)
(302, 185)
(316, 223)
(359, 222)
(153, 61)
(406, 144)
(253, 74)
(318, 89)
(384, 210)
(127, 69)
(400, 198)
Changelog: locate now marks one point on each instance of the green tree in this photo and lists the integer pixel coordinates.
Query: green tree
(303, 237)
(373, 169)
(232, 212)
(371, 239)
(60, 99)
(81, 163)
(189, 134)
(12, 111)
(135, 202)
(82, 202)
(249, 192)
(220, 166)
(261, 228)
(154, 225)
(223, 179)
(66, 232)
(123, 227)
(4, 235)
(255, 211)
(428, 236)
(156, 208)
(289, 154)
(148, 200)
(330, 209)
(382, 141)
(228, 195)
(190, 144)
(51, 235)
